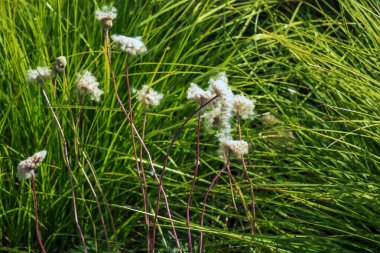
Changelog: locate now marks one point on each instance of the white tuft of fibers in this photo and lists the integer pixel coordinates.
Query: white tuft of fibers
(194, 92)
(244, 106)
(130, 45)
(222, 111)
(87, 84)
(148, 97)
(38, 75)
(238, 148)
(106, 12)
(25, 168)
(61, 63)
(105, 15)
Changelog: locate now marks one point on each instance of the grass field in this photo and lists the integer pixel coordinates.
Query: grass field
(314, 156)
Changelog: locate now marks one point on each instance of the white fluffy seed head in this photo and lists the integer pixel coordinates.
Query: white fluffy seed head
(221, 113)
(87, 84)
(130, 45)
(38, 75)
(60, 64)
(244, 106)
(233, 147)
(194, 92)
(105, 15)
(219, 86)
(25, 168)
(148, 97)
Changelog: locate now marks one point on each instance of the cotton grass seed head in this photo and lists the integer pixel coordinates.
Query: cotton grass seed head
(87, 84)
(148, 97)
(38, 75)
(233, 147)
(130, 45)
(105, 15)
(25, 168)
(194, 92)
(60, 64)
(244, 106)
(223, 106)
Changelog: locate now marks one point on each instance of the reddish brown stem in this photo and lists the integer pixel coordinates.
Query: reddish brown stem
(193, 183)
(145, 185)
(69, 171)
(139, 172)
(161, 189)
(204, 204)
(36, 213)
(166, 162)
(93, 193)
(77, 143)
(231, 180)
(55, 82)
(253, 225)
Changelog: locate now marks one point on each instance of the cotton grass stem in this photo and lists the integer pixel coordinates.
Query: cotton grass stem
(253, 208)
(95, 196)
(147, 220)
(77, 145)
(167, 159)
(230, 180)
(69, 171)
(193, 183)
(100, 190)
(36, 214)
(161, 189)
(55, 82)
(139, 169)
(204, 204)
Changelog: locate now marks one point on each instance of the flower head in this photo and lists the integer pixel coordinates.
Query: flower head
(130, 45)
(244, 106)
(221, 113)
(87, 84)
(198, 94)
(60, 64)
(39, 75)
(148, 97)
(105, 15)
(25, 169)
(233, 147)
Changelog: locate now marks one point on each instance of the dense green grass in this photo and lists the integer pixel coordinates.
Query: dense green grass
(313, 64)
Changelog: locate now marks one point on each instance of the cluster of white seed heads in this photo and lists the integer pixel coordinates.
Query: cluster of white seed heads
(87, 84)
(222, 109)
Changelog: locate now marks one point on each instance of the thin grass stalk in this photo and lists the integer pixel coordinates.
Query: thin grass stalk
(231, 181)
(161, 189)
(140, 173)
(67, 163)
(167, 159)
(36, 213)
(253, 225)
(93, 193)
(145, 184)
(78, 144)
(193, 183)
(204, 204)
(100, 190)
(65, 85)
(55, 82)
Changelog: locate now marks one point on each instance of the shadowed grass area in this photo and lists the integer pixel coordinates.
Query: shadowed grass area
(314, 161)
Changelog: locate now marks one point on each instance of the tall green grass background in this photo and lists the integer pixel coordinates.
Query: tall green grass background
(313, 64)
